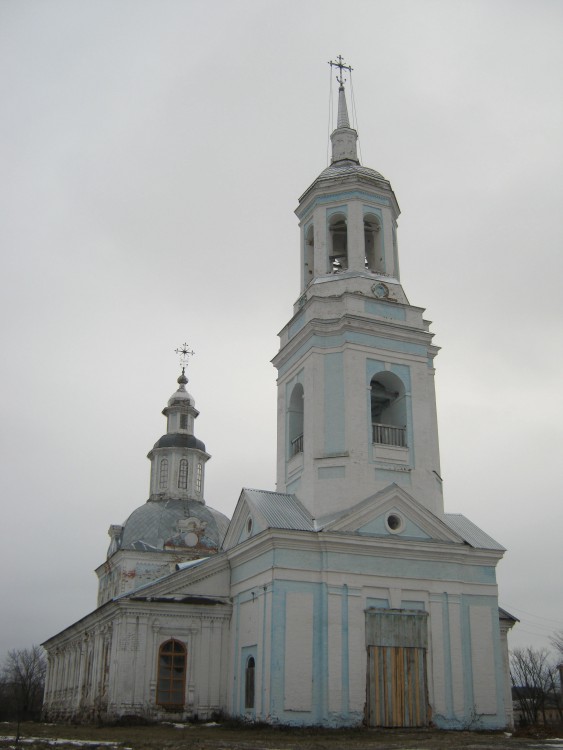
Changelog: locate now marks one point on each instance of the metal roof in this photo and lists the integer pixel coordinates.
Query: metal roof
(471, 533)
(156, 522)
(280, 511)
(346, 168)
(179, 440)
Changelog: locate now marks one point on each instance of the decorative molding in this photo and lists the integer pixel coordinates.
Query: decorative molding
(392, 467)
(330, 198)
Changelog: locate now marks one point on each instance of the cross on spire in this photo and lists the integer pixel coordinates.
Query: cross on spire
(341, 66)
(184, 353)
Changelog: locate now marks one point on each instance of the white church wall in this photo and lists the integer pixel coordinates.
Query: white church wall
(315, 660)
(108, 666)
(298, 651)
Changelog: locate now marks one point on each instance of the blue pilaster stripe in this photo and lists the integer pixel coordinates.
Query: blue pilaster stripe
(448, 680)
(345, 654)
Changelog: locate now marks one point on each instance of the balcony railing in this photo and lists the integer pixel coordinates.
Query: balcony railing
(388, 434)
(297, 445)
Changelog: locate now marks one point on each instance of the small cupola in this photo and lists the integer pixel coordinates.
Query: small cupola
(180, 411)
(178, 458)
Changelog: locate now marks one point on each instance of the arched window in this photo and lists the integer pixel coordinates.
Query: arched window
(183, 475)
(388, 410)
(373, 239)
(163, 478)
(338, 252)
(171, 674)
(295, 421)
(249, 682)
(199, 477)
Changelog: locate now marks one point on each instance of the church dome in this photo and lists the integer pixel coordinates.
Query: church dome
(344, 169)
(347, 168)
(181, 396)
(179, 440)
(174, 525)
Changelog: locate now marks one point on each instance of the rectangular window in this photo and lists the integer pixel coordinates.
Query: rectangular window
(198, 478)
(163, 479)
(183, 421)
(183, 475)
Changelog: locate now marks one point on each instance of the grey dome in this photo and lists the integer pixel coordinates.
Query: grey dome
(181, 396)
(179, 440)
(157, 525)
(346, 168)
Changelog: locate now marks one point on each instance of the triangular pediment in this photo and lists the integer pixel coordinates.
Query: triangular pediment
(258, 510)
(246, 519)
(392, 512)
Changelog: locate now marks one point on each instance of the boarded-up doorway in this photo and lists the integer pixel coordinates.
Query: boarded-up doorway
(396, 677)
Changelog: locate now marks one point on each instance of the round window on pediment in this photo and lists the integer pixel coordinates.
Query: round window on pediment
(249, 526)
(394, 522)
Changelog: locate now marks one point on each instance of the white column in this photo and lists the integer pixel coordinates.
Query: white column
(321, 249)
(356, 244)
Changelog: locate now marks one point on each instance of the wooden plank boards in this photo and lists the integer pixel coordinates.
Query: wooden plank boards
(396, 687)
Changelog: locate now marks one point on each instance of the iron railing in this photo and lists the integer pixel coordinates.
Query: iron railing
(297, 445)
(388, 434)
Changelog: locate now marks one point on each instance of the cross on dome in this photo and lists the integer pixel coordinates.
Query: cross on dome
(184, 353)
(341, 66)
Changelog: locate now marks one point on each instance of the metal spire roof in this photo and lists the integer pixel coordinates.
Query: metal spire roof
(343, 120)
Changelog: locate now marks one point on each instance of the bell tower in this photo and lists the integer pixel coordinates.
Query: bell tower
(356, 398)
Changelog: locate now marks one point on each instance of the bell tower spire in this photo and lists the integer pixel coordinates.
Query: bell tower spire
(344, 139)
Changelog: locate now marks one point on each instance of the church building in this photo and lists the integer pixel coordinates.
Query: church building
(348, 595)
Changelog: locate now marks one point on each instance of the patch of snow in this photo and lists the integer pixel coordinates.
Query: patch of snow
(53, 741)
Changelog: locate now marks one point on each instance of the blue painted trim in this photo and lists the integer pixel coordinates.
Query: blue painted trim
(467, 600)
(277, 651)
(319, 636)
(469, 699)
(403, 372)
(382, 309)
(343, 209)
(333, 341)
(331, 472)
(448, 678)
(320, 653)
(320, 200)
(373, 210)
(334, 403)
(345, 654)
(235, 656)
(263, 713)
(296, 325)
(289, 386)
(293, 487)
(349, 562)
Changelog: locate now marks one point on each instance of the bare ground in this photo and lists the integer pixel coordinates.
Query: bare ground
(236, 737)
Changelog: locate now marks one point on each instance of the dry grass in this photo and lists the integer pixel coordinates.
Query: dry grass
(237, 737)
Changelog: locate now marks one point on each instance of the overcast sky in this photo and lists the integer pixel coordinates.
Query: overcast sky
(152, 153)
